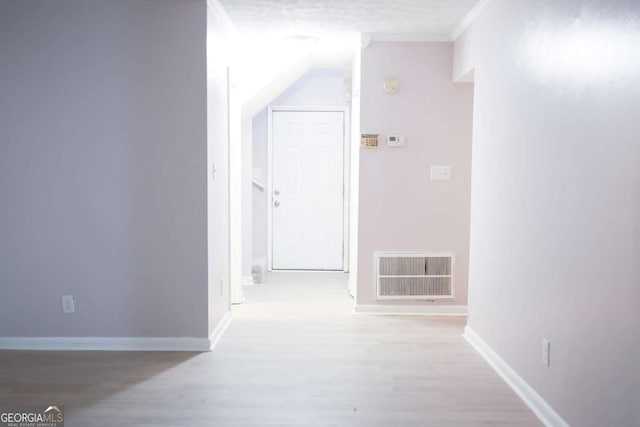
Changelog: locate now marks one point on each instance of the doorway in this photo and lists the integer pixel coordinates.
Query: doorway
(307, 209)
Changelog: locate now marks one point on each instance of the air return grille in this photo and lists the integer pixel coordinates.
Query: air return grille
(414, 275)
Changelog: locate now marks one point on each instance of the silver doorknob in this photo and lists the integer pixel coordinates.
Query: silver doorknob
(277, 203)
(277, 192)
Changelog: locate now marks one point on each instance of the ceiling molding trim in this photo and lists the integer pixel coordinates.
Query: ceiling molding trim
(219, 10)
(471, 17)
(410, 37)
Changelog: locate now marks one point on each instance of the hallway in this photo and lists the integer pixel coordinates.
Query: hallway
(302, 358)
(294, 355)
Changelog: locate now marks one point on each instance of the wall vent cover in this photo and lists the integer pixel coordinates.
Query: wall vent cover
(416, 275)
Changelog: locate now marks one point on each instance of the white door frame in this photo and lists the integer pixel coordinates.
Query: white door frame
(345, 177)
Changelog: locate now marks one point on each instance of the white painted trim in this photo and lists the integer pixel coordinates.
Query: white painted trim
(410, 37)
(309, 271)
(258, 184)
(346, 165)
(105, 343)
(529, 396)
(346, 186)
(217, 333)
(469, 19)
(318, 108)
(247, 281)
(118, 343)
(354, 170)
(234, 155)
(269, 197)
(412, 310)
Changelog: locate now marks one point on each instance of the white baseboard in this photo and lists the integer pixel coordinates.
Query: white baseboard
(529, 396)
(118, 343)
(105, 343)
(219, 330)
(412, 310)
(247, 281)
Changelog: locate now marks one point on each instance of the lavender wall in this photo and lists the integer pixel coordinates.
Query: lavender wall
(556, 199)
(103, 168)
(400, 208)
(318, 87)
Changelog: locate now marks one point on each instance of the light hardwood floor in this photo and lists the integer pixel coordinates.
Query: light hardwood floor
(294, 355)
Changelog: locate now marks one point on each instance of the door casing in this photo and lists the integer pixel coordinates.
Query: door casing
(345, 176)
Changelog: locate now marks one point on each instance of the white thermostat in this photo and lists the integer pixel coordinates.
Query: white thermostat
(395, 141)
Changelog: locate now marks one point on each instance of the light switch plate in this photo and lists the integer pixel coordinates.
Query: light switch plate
(440, 173)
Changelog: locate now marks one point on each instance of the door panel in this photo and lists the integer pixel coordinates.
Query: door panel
(307, 199)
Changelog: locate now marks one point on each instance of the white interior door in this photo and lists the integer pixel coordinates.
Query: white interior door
(307, 190)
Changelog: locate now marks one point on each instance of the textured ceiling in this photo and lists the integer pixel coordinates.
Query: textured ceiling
(317, 17)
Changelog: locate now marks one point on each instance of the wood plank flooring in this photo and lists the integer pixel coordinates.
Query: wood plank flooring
(294, 355)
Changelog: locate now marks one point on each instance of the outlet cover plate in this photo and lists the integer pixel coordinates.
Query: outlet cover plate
(68, 304)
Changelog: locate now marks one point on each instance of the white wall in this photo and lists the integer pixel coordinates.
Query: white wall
(354, 171)
(400, 209)
(236, 191)
(318, 87)
(219, 38)
(247, 199)
(103, 146)
(259, 201)
(555, 208)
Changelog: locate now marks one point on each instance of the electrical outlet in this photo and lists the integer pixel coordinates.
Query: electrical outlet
(546, 352)
(68, 304)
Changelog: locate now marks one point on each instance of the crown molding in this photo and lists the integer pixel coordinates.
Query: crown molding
(374, 37)
(468, 20)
